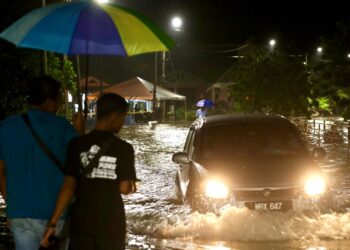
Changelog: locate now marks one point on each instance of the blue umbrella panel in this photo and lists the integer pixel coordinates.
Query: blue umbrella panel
(205, 103)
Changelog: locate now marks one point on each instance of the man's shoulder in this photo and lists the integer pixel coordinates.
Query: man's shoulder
(123, 145)
(122, 142)
(61, 119)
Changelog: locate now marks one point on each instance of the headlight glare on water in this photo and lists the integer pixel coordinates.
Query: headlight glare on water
(315, 185)
(216, 189)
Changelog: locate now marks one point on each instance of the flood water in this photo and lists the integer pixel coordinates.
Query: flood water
(157, 221)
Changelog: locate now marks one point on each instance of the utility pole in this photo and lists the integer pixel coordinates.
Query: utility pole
(155, 83)
(163, 67)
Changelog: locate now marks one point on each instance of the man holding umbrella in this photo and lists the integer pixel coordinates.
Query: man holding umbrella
(203, 105)
(87, 28)
(201, 112)
(32, 152)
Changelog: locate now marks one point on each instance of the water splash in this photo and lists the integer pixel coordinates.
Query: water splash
(238, 225)
(155, 220)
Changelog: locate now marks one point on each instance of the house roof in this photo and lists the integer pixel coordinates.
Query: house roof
(139, 89)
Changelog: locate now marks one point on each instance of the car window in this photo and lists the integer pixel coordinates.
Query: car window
(273, 140)
(237, 140)
(220, 141)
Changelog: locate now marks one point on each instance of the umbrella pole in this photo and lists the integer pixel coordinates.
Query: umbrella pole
(80, 106)
(44, 53)
(86, 86)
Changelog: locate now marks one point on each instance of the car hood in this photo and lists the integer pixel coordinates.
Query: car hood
(264, 171)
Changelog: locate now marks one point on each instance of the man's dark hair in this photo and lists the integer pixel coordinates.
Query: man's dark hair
(109, 103)
(43, 88)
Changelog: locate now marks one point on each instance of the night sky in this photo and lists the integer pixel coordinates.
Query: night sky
(229, 22)
(212, 27)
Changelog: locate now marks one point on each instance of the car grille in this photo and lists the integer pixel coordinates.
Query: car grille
(265, 194)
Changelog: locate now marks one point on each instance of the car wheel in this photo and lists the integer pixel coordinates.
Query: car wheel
(198, 204)
(194, 199)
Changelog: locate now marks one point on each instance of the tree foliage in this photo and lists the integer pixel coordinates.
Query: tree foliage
(279, 83)
(270, 83)
(18, 65)
(330, 74)
(62, 71)
(14, 76)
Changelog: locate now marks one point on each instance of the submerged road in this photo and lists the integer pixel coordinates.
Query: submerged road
(156, 220)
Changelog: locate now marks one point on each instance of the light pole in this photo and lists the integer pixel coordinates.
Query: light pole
(319, 52)
(154, 107)
(272, 44)
(176, 24)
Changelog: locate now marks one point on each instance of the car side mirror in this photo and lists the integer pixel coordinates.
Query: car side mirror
(319, 153)
(181, 157)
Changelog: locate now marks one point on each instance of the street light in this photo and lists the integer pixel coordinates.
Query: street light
(319, 50)
(272, 43)
(176, 23)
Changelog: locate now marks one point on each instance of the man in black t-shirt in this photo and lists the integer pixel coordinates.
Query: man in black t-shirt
(97, 214)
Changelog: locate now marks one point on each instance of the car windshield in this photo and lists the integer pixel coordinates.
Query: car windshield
(241, 141)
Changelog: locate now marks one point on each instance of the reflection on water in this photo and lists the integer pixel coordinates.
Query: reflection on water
(157, 221)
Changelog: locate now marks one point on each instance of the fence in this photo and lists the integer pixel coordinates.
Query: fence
(325, 131)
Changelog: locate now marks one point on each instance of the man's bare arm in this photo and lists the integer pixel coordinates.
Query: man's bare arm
(127, 187)
(64, 198)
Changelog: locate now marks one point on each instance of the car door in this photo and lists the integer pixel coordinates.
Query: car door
(184, 169)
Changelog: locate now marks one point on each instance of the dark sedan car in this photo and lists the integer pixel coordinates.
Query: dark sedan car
(255, 161)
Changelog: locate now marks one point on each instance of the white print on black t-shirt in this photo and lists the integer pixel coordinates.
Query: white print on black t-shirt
(106, 164)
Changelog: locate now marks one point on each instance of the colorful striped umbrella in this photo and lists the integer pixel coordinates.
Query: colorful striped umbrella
(87, 28)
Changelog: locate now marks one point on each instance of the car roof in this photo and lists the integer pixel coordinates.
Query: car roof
(240, 118)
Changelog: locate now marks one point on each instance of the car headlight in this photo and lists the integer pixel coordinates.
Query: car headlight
(216, 189)
(314, 185)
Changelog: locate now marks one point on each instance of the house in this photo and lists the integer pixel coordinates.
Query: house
(219, 93)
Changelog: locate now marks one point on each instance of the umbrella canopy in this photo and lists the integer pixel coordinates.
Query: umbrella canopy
(87, 28)
(206, 103)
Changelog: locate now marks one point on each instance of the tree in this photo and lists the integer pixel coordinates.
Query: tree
(18, 65)
(270, 83)
(330, 74)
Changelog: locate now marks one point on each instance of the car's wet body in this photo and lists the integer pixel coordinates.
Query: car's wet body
(255, 161)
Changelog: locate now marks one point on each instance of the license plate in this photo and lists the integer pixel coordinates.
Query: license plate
(273, 206)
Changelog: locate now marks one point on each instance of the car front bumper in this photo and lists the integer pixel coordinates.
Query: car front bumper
(300, 203)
